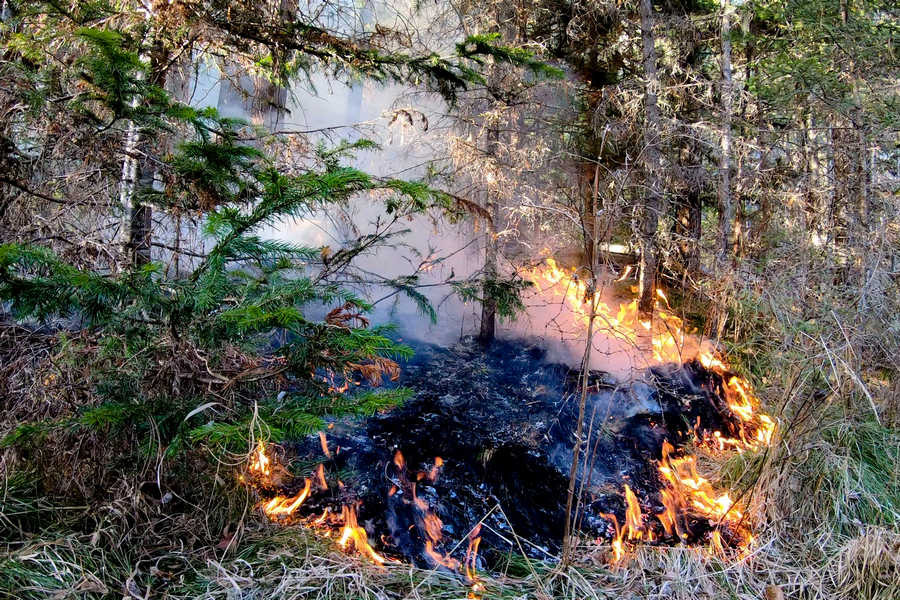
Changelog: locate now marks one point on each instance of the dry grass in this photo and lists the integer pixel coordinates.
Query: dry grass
(825, 497)
(291, 563)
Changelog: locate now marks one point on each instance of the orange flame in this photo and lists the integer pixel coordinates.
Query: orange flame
(472, 553)
(321, 518)
(435, 469)
(260, 462)
(664, 332)
(681, 475)
(320, 477)
(399, 461)
(281, 506)
(634, 528)
(685, 492)
(431, 523)
(667, 344)
(353, 532)
(324, 442)
(440, 559)
(477, 587)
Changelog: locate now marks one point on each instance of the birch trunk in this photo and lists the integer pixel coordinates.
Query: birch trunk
(138, 172)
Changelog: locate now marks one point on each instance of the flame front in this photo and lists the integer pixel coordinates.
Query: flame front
(345, 527)
(282, 508)
(663, 337)
(663, 340)
(689, 493)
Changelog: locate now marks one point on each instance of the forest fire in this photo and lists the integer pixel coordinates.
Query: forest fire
(662, 337)
(664, 500)
(684, 493)
(264, 474)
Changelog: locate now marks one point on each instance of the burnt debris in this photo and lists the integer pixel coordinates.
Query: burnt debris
(487, 439)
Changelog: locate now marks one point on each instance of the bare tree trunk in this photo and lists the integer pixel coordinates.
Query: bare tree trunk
(862, 175)
(726, 205)
(486, 332)
(140, 174)
(589, 210)
(687, 229)
(140, 235)
(652, 203)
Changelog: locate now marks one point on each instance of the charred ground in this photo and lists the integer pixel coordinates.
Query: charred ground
(502, 421)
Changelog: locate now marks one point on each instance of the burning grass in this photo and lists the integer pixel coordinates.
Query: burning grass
(658, 339)
(824, 499)
(857, 560)
(766, 565)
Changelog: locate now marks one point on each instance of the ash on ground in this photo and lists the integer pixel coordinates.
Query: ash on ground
(502, 420)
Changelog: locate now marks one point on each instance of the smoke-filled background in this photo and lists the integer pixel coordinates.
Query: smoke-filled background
(419, 137)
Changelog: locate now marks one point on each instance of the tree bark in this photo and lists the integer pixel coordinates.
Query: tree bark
(726, 205)
(140, 234)
(652, 203)
(687, 229)
(487, 331)
(139, 176)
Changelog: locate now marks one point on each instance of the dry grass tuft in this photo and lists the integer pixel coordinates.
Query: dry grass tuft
(867, 566)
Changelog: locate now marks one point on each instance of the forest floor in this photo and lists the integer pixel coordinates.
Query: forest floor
(828, 515)
(81, 515)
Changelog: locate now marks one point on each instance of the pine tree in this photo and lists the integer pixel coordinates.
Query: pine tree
(246, 291)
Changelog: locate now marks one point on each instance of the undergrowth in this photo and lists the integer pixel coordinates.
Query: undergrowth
(103, 497)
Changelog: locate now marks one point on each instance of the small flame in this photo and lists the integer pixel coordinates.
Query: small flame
(681, 475)
(281, 506)
(435, 469)
(472, 554)
(634, 528)
(756, 429)
(440, 559)
(689, 493)
(662, 296)
(321, 519)
(352, 532)
(399, 461)
(260, 462)
(716, 546)
(320, 477)
(625, 274)
(634, 520)
(324, 442)
(430, 522)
